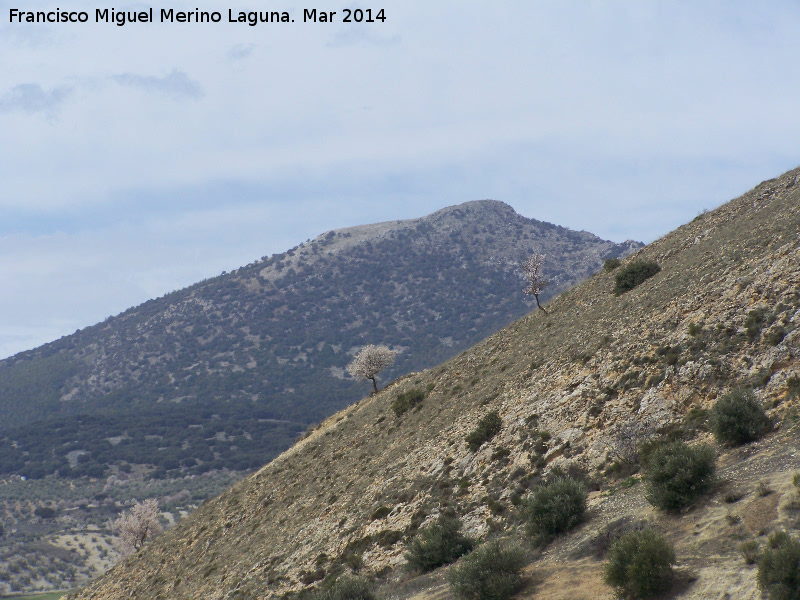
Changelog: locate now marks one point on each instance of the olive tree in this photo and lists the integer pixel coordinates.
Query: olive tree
(370, 361)
(532, 270)
(138, 526)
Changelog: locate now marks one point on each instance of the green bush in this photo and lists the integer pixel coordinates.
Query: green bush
(380, 513)
(492, 572)
(346, 588)
(633, 274)
(677, 474)
(554, 508)
(488, 427)
(737, 418)
(610, 264)
(438, 544)
(405, 401)
(793, 386)
(640, 564)
(695, 329)
(755, 320)
(775, 335)
(779, 568)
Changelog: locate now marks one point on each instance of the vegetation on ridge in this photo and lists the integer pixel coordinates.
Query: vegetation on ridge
(440, 543)
(640, 564)
(633, 274)
(492, 572)
(737, 418)
(554, 508)
(678, 474)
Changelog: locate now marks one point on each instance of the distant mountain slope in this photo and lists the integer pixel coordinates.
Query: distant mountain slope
(226, 373)
(724, 311)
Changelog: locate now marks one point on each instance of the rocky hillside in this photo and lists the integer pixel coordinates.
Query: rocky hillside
(226, 373)
(569, 386)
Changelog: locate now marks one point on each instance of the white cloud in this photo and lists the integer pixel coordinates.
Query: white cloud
(32, 98)
(240, 51)
(177, 84)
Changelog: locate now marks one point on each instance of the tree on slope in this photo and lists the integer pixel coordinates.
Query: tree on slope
(532, 269)
(370, 361)
(138, 526)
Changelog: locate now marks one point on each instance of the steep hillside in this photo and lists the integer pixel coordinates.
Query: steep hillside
(227, 373)
(723, 311)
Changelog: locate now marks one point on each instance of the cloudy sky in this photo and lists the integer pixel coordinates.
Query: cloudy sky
(136, 160)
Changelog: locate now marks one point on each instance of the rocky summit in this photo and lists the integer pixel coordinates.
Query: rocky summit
(568, 390)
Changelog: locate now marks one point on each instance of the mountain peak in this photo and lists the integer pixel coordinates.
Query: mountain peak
(568, 387)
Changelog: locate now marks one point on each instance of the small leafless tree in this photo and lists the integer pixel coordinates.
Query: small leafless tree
(138, 526)
(532, 269)
(628, 438)
(370, 361)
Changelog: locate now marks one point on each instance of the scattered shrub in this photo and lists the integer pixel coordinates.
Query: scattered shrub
(633, 274)
(307, 578)
(601, 543)
(610, 264)
(501, 454)
(405, 401)
(438, 544)
(755, 320)
(45, 512)
(733, 519)
(654, 380)
(488, 427)
(554, 508)
(775, 335)
(492, 572)
(732, 496)
(380, 512)
(677, 474)
(750, 551)
(388, 537)
(779, 567)
(695, 329)
(695, 420)
(737, 418)
(346, 588)
(640, 564)
(354, 560)
(495, 506)
(793, 386)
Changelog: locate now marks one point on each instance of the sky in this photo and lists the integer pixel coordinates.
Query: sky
(138, 159)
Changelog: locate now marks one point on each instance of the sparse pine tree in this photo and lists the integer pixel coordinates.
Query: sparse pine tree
(370, 361)
(532, 269)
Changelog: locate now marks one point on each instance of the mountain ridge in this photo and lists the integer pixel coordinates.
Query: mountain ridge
(272, 338)
(724, 311)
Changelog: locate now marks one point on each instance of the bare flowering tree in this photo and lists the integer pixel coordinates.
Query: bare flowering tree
(138, 526)
(628, 439)
(370, 361)
(532, 269)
